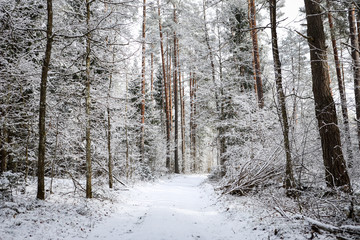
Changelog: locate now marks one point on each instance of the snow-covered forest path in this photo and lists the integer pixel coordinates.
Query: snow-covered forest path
(178, 208)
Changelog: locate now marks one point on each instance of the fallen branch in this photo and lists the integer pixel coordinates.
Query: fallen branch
(75, 182)
(355, 230)
(104, 169)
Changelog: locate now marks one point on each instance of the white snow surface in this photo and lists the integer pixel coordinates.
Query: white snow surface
(173, 208)
(180, 208)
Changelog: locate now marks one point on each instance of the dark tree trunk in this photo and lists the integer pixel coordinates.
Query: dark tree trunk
(341, 85)
(289, 177)
(176, 134)
(166, 90)
(335, 167)
(142, 139)
(88, 104)
(256, 57)
(3, 150)
(110, 164)
(182, 109)
(193, 87)
(42, 112)
(356, 64)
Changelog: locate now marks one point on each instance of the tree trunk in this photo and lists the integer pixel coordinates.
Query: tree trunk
(192, 168)
(152, 72)
(182, 109)
(335, 167)
(289, 177)
(193, 121)
(127, 160)
(88, 104)
(166, 91)
(52, 173)
(341, 85)
(176, 103)
(356, 65)
(169, 83)
(142, 138)
(3, 151)
(256, 57)
(109, 133)
(42, 112)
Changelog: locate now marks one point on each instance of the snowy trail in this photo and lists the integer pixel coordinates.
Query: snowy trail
(174, 209)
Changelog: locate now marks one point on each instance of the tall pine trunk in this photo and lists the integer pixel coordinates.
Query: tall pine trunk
(192, 89)
(341, 85)
(109, 130)
(176, 103)
(142, 137)
(289, 177)
(165, 88)
(335, 167)
(88, 104)
(356, 64)
(256, 56)
(182, 110)
(42, 112)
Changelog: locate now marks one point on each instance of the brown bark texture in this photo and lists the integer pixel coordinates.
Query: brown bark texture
(42, 112)
(142, 137)
(176, 103)
(289, 177)
(256, 56)
(341, 86)
(166, 89)
(335, 167)
(356, 64)
(88, 104)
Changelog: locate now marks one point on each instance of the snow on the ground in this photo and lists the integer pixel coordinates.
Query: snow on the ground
(176, 208)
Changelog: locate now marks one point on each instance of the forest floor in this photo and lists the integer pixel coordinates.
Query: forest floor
(173, 208)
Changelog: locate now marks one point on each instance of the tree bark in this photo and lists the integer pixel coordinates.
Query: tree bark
(356, 64)
(128, 165)
(289, 177)
(166, 90)
(193, 87)
(109, 133)
(335, 167)
(176, 134)
(256, 57)
(221, 129)
(152, 72)
(3, 151)
(88, 104)
(142, 138)
(341, 85)
(42, 112)
(182, 109)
